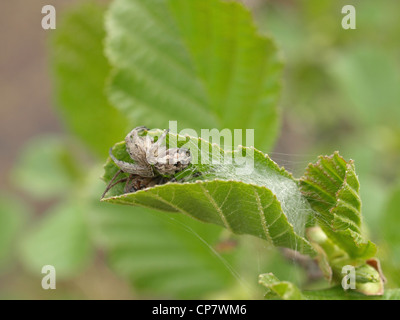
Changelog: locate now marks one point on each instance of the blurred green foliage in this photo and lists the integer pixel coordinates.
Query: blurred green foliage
(47, 167)
(80, 74)
(13, 216)
(60, 239)
(176, 58)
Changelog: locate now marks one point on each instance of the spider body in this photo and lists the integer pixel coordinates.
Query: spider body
(152, 162)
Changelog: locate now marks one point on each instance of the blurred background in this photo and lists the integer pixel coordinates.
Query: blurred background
(341, 91)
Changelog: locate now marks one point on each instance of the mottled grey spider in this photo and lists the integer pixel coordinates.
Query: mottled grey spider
(153, 162)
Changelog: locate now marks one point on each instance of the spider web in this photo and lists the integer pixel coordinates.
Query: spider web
(210, 162)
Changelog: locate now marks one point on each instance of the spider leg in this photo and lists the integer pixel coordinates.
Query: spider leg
(111, 181)
(157, 152)
(136, 130)
(111, 185)
(134, 133)
(141, 128)
(161, 139)
(129, 183)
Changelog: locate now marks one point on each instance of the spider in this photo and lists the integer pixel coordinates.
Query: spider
(153, 162)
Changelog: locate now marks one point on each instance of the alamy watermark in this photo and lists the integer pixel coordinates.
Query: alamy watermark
(223, 145)
(349, 20)
(349, 279)
(49, 18)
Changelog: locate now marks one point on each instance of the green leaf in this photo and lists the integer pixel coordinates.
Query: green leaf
(389, 250)
(60, 239)
(47, 167)
(12, 217)
(80, 72)
(279, 289)
(331, 259)
(166, 256)
(332, 188)
(199, 62)
(285, 290)
(250, 195)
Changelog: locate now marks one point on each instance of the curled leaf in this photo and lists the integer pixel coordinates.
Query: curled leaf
(331, 186)
(243, 191)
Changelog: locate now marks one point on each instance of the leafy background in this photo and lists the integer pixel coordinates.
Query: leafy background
(64, 107)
